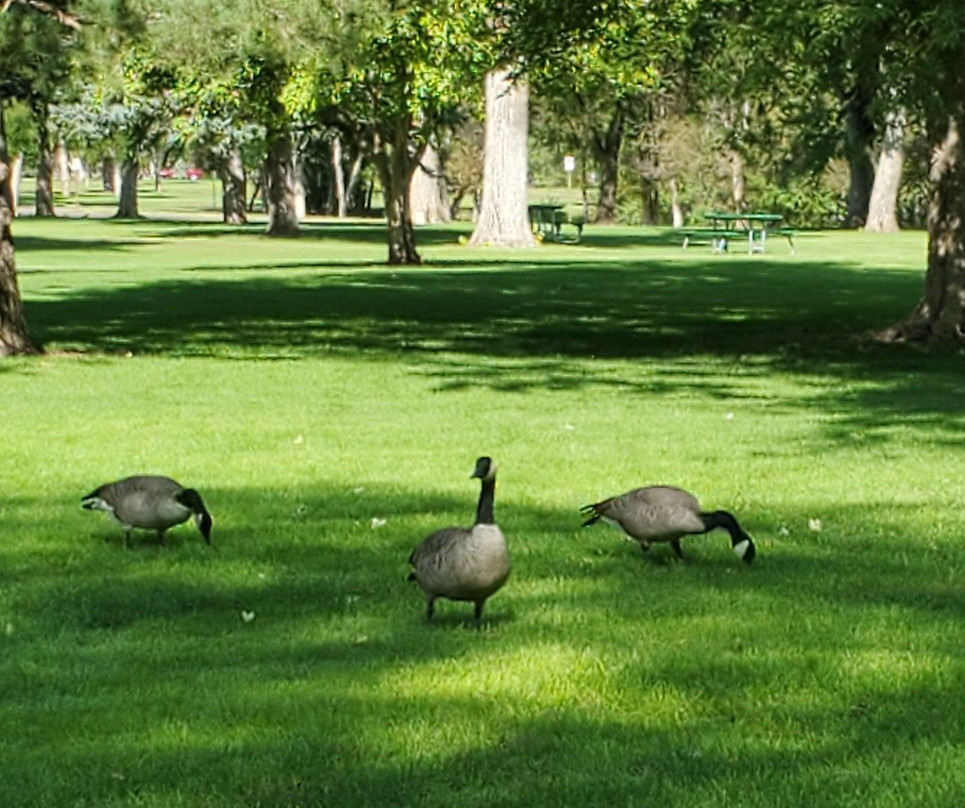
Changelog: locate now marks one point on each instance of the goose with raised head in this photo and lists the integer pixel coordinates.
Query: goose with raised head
(149, 502)
(465, 563)
(662, 513)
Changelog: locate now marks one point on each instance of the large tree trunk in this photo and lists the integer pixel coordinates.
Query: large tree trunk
(859, 139)
(504, 212)
(605, 148)
(883, 208)
(280, 186)
(396, 167)
(428, 195)
(234, 192)
(940, 314)
(13, 327)
(127, 202)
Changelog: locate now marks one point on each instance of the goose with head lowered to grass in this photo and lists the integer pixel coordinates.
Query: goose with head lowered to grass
(149, 502)
(662, 513)
(465, 563)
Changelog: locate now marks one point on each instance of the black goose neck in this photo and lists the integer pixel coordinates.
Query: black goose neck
(727, 522)
(487, 495)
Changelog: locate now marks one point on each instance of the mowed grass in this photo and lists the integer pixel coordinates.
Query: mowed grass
(330, 408)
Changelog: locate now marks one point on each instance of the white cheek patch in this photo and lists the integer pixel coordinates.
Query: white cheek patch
(741, 548)
(98, 504)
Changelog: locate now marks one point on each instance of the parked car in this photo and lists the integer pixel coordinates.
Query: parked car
(194, 173)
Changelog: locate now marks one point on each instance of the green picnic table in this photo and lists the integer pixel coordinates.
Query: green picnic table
(547, 220)
(755, 227)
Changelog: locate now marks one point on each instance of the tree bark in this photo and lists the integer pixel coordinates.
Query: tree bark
(14, 339)
(940, 314)
(14, 179)
(738, 181)
(606, 147)
(62, 162)
(280, 186)
(127, 202)
(44, 194)
(428, 195)
(676, 209)
(504, 212)
(859, 139)
(883, 207)
(396, 166)
(234, 191)
(109, 177)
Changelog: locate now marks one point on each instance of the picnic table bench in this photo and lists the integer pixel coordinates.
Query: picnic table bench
(717, 238)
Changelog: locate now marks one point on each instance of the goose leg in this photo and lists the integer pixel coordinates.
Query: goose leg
(675, 543)
(477, 612)
(430, 607)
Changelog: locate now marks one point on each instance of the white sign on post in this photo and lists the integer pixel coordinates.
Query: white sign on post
(569, 166)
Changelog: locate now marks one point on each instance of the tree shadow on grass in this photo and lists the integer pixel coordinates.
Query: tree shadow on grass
(145, 655)
(546, 327)
(626, 311)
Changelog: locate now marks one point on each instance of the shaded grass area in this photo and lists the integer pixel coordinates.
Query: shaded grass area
(329, 410)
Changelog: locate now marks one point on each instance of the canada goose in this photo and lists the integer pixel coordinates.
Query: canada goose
(464, 563)
(150, 503)
(660, 513)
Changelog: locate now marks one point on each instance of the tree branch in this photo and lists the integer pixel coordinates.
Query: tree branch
(63, 16)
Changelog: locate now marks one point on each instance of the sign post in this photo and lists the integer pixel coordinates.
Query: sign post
(569, 166)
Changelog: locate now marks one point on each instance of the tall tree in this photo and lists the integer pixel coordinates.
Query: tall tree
(883, 204)
(264, 76)
(14, 337)
(503, 214)
(398, 74)
(925, 45)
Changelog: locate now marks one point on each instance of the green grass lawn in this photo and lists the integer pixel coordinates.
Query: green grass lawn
(330, 409)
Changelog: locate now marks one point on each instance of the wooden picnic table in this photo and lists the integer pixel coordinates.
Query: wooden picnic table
(754, 225)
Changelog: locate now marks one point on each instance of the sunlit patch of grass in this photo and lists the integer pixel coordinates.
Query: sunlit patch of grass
(329, 409)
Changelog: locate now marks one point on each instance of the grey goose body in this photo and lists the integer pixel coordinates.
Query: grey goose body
(663, 513)
(465, 563)
(149, 502)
